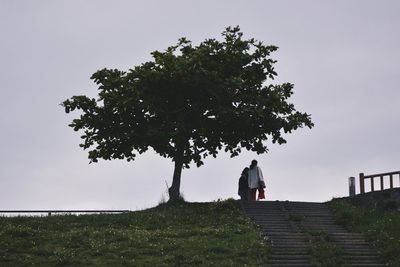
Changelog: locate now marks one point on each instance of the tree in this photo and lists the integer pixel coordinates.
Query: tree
(189, 103)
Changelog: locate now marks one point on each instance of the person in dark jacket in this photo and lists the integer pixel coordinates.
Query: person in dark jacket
(244, 185)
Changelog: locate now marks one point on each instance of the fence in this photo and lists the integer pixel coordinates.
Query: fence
(49, 212)
(381, 177)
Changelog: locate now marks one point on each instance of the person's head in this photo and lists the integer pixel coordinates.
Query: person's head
(253, 163)
(245, 171)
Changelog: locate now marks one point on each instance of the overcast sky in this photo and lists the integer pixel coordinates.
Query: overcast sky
(342, 56)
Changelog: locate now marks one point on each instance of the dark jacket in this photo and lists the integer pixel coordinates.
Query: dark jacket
(243, 184)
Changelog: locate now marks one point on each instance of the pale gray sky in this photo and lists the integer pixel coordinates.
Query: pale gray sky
(342, 56)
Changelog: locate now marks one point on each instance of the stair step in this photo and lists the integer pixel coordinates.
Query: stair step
(286, 226)
(288, 265)
(294, 252)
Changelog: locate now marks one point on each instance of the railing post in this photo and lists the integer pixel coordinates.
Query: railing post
(362, 188)
(372, 184)
(391, 181)
(352, 186)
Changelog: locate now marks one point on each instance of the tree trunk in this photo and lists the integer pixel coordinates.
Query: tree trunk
(174, 190)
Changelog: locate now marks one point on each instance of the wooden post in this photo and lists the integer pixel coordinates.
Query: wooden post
(352, 186)
(391, 181)
(362, 188)
(382, 185)
(372, 184)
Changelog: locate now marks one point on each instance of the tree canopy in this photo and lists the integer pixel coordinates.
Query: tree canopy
(188, 103)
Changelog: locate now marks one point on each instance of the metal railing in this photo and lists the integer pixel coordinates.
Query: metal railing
(50, 212)
(381, 177)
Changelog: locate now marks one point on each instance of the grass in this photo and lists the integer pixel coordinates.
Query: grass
(178, 234)
(296, 217)
(383, 229)
(323, 252)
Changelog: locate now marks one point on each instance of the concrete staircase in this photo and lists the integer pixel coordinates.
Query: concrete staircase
(289, 228)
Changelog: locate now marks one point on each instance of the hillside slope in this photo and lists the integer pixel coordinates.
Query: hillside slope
(181, 234)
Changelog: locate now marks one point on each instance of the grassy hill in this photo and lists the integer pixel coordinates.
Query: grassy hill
(179, 234)
(381, 228)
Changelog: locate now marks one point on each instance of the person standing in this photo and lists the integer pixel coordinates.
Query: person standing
(243, 191)
(256, 181)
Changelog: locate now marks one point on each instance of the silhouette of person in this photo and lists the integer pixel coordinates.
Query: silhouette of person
(243, 191)
(256, 181)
